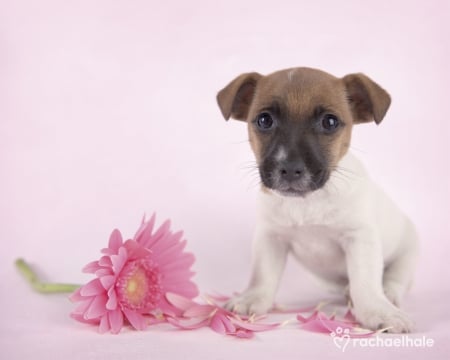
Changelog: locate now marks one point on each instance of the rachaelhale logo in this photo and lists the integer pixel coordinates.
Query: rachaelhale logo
(342, 339)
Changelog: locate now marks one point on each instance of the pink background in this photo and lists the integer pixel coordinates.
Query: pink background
(107, 111)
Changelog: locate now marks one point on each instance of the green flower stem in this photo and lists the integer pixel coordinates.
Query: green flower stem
(42, 287)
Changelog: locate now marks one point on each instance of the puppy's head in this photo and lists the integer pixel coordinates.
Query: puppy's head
(300, 122)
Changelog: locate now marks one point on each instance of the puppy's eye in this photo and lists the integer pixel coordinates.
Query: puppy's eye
(330, 123)
(265, 121)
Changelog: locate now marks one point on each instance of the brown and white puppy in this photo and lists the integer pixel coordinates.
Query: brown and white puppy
(317, 200)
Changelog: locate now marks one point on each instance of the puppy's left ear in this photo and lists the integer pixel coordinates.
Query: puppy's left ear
(368, 100)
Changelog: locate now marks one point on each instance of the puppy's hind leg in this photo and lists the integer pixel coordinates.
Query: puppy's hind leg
(398, 274)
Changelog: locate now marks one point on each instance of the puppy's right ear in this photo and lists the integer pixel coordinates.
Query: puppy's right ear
(235, 99)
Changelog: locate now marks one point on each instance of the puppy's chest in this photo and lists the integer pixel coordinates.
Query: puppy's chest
(313, 229)
(295, 213)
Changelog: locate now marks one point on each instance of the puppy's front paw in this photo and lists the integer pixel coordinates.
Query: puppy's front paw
(384, 315)
(252, 301)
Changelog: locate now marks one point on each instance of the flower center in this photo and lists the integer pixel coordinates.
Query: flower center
(139, 286)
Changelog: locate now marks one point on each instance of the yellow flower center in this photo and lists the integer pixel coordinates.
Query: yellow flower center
(138, 286)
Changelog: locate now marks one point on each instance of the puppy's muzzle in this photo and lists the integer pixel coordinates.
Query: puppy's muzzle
(292, 177)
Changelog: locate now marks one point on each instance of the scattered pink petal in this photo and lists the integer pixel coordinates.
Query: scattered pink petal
(199, 310)
(254, 326)
(179, 301)
(217, 323)
(189, 324)
(320, 322)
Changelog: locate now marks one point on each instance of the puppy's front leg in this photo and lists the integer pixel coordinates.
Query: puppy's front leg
(365, 272)
(268, 262)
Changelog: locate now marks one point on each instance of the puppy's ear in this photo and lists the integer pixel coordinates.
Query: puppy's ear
(368, 100)
(235, 99)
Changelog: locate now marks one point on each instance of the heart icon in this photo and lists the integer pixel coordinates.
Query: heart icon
(341, 342)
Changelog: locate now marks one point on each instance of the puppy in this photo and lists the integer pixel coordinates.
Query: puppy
(316, 200)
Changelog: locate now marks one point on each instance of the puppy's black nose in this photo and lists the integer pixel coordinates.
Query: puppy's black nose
(292, 170)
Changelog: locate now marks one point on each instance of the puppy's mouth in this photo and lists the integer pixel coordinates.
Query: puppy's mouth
(295, 187)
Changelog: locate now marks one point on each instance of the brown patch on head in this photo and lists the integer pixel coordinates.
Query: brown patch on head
(298, 95)
(300, 104)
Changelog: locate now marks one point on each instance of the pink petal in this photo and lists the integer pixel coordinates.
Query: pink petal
(183, 262)
(105, 261)
(107, 281)
(303, 319)
(163, 229)
(188, 325)
(80, 318)
(93, 287)
(254, 326)
(136, 320)
(115, 240)
(161, 233)
(244, 334)
(144, 232)
(83, 306)
(186, 288)
(119, 260)
(104, 324)
(349, 316)
(315, 326)
(104, 272)
(112, 300)
(170, 244)
(97, 308)
(135, 250)
(166, 246)
(199, 310)
(217, 324)
(156, 320)
(229, 326)
(116, 320)
(179, 301)
(76, 296)
(92, 267)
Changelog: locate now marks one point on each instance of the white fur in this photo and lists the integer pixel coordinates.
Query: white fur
(281, 154)
(349, 233)
(290, 74)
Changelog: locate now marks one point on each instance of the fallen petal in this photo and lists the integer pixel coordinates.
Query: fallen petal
(179, 301)
(199, 310)
(253, 326)
(187, 324)
(217, 324)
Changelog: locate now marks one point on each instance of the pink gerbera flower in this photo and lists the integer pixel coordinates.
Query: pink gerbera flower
(132, 278)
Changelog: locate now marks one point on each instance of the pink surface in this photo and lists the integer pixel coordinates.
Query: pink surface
(107, 111)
